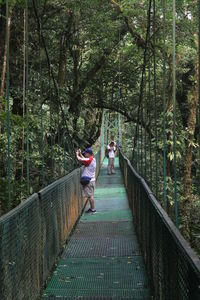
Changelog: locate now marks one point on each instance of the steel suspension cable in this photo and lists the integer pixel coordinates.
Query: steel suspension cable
(103, 135)
(59, 160)
(141, 140)
(64, 150)
(70, 165)
(51, 130)
(174, 110)
(119, 97)
(199, 88)
(149, 121)
(145, 133)
(164, 104)
(42, 139)
(23, 100)
(8, 102)
(41, 100)
(27, 106)
(155, 94)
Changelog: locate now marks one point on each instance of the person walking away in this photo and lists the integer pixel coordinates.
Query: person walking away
(88, 176)
(111, 148)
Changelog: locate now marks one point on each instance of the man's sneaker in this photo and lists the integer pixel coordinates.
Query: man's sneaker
(93, 211)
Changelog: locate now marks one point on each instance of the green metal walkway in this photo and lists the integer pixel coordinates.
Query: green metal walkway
(102, 258)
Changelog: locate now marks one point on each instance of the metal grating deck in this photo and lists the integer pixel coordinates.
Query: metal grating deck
(105, 216)
(103, 239)
(102, 259)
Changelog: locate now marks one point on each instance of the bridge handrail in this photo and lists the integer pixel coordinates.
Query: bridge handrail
(172, 266)
(32, 235)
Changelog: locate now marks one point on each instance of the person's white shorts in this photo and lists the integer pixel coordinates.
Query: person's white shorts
(88, 190)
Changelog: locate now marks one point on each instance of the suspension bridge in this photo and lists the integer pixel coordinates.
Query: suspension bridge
(50, 248)
(128, 249)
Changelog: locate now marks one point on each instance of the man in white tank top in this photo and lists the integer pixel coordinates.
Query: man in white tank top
(88, 176)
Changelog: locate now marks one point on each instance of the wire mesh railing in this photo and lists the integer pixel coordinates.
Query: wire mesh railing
(33, 234)
(172, 266)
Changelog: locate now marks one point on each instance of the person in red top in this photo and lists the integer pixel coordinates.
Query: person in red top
(88, 176)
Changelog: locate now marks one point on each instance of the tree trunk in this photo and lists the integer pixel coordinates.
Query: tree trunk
(3, 74)
(191, 124)
(24, 97)
(169, 166)
(62, 61)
